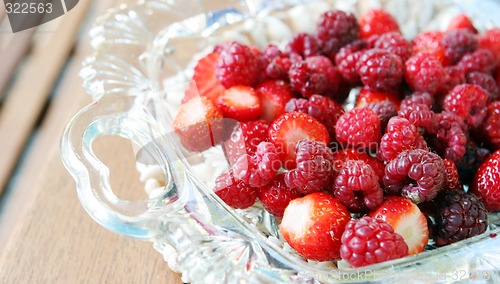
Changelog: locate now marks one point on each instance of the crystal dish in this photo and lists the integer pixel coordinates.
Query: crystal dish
(143, 56)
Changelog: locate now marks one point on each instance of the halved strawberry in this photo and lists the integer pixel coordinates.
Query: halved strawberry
(240, 102)
(274, 95)
(407, 220)
(206, 83)
(461, 21)
(313, 226)
(290, 128)
(199, 124)
(366, 96)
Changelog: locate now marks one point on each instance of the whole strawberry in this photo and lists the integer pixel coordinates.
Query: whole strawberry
(486, 182)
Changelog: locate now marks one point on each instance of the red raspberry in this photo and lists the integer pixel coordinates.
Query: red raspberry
(480, 60)
(303, 44)
(237, 65)
(371, 240)
(336, 29)
(454, 75)
(357, 188)
(344, 155)
(395, 43)
(469, 102)
(377, 22)
(245, 139)
(275, 196)
(314, 167)
(490, 40)
(424, 73)
(430, 42)
(315, 75)
(486, 182)
(233, 192)
(324, 109)
(384, 110)
(359, 127)
(346, 60)
(457, 43)
(489, 130)
(422, 167)
(448, 136)
(258, 170)
(399, 135)
(380, 70)
(276, 63)
(485, 81)
(417, 98)
(418, 115)
(452, 180)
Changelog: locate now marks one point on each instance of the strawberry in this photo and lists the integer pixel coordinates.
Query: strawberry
(377, 22)
(486, 182)
(240, 102)
(407, 220)
(245, 139)
(366, 97)
(313, 226)
(206, 83)
(274, 95)
(431, 42)
(199, 124)
(490, 40)
(461, 21)
(290, 128)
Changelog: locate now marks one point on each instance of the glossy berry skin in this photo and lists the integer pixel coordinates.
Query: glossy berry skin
(258, 170)
(370, 240)
(377, 22)
(336, 29)
(313, 172)
(313, 226)
(489, 130)
(276, 195)
(399, 135)
(379, 69)
(415, 174)
(458, 217)
(246, 139)
(234, 192)
(424, 73)
(237, 65)
(486, 183)
(457, 43)
(469, 102)
(359, 127)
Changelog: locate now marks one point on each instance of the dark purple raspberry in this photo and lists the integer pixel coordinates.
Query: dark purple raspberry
(234, 192)
(481, 60)
(359, 127)
(460, 216)
(448, 135)
(395, 42)
(474, 156)
(356, 187)
(399, 135)
(424, 73)
(485, 81)
(457, 43)
(237, 65)
(384, 110)
(417, 114)
(346, 60)
(314, 167)
(380, 70)
(469, 102)
(275, 196)
(336, 29)
(315, 75)
(258, 170)
(417, 98)
(303, 44)
(415, 174)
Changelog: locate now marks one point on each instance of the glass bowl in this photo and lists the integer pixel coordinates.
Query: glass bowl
(143, 56)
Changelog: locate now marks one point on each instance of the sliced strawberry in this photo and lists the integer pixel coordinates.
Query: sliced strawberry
(274, 95)
(206, 83)
(245, 139)
(313, 226)
(240, 102)
(366, 96)
(490, 40)
(407, 220)
(377, 22)
(461, 21)
(199, 124)
(290, 128)
(431, 42)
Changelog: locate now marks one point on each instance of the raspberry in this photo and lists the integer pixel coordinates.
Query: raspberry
(245, 139)
(453, 75)
(457, 43)
(486, 182)
(275, 196)
(237, 65)
(324, 109)
(380, 70)
(346, 60)
(336, 29)
(395, 43)
(481, 60)
(359, 127)
(485, 81)
(234, 192)
(424, 73)
(474, 156)
(259, 170)
(448, 135)
(371, 240)
(276, 64)
(417, 114)
(417, 98)
(377, 22)
(489, 130)
(430, 42)
(314, 167)
(451, 178)
(315, 75)
(384, 110)
(460, 216)
(303, 44)
(400, 135)
(415, 174)
(469, 102)
(357, 188)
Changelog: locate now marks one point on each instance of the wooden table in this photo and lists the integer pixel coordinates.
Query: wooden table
(45, 235)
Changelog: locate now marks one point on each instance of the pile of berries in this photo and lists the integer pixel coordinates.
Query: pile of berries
(372, 183)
